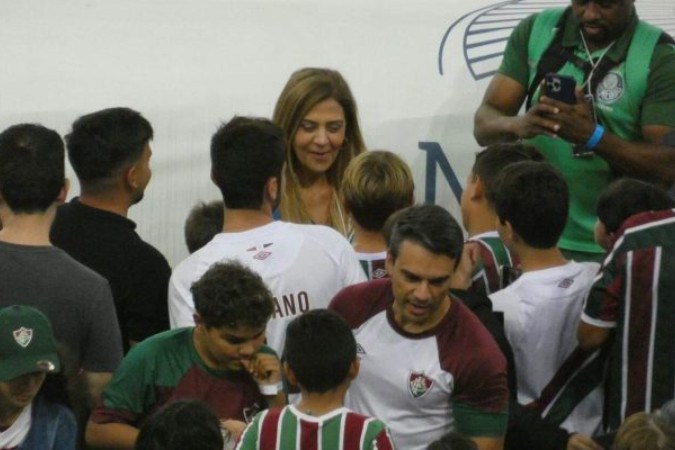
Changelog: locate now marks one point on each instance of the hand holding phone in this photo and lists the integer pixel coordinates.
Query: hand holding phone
(560, 88)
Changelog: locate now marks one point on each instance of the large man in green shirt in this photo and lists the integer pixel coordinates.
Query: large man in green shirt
(626, 65)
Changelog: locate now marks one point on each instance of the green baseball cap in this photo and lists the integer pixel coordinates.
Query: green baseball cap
(27, 343)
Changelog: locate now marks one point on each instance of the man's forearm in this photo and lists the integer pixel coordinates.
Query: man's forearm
(111, 436)
(95, 383)
(492, 126)
(485, 443)
(646, 160)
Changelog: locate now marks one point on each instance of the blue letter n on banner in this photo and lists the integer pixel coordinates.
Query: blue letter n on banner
(436, 158)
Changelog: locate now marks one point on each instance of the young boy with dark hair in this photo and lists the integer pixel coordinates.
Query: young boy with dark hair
(203, 223)
(180, 425)
(630, 309)
(623, 198)
(320, 357)
(542, 307)
(479, 216)
(375, 185)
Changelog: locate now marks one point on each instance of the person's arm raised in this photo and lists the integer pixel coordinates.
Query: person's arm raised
(497, 120)
(647, 158)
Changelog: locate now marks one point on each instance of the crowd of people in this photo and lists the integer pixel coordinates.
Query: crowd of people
(320, 307)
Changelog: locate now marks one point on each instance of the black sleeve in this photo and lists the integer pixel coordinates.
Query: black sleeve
(481, 306)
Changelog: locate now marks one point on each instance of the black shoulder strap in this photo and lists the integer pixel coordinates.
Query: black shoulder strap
(553, 58)
(556, 56)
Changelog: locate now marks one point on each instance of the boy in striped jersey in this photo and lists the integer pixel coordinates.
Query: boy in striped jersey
(479, 216)
(634, 294)
(320, 358)
(376, 184)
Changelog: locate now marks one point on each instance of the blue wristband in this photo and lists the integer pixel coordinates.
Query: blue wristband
(594, 140)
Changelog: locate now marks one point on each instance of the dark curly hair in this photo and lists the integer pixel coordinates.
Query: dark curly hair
(231, 295)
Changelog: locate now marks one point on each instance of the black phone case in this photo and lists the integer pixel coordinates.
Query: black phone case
(560, 87)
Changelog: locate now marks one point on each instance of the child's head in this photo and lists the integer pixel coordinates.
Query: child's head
(488, 164)
(203, 223)
(320, 351)
(644, 431)
(531, 200)
(622, 199)
(181, 424)
(375, 185)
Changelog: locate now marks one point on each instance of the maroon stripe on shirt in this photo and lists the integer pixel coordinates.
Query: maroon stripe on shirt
(309, 435)
(353, 430)
(609, 310)
(383, 441)
(269, 428)
(639, 327)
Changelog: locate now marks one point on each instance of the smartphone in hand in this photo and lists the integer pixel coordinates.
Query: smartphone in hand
(560, 87)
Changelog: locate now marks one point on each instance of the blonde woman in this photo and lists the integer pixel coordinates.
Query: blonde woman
(318, 114)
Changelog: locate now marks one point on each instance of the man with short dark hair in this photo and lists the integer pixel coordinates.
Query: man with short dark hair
(110, 153)
(220, 360)
(417, 374)
(76, 300)
(303, 265)
(542, 307)
(479, 218)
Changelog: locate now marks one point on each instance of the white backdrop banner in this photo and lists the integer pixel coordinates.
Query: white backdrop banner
(417, 69)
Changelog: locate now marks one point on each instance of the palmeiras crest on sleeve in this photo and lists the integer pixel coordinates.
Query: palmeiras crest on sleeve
(419, 384)
(23, 336)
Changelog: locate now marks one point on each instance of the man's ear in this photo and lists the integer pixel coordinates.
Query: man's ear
(354, 368)
(272, 189)
(130, 176)
(476, 188)
(290, 375)
(198, 320)
(389, 262)
(63, 192)
(508, 234)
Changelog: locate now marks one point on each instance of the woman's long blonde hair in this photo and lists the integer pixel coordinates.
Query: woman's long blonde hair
(304, 90)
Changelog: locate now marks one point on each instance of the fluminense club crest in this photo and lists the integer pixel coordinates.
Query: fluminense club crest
(23, 336)
(419, 384)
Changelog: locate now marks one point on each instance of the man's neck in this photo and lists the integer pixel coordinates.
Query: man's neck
(532, 259)
(238, 220)
(366, 241)
(8, 415)
(117, 204)
(28, 229)
(318, 404)
(482, 221)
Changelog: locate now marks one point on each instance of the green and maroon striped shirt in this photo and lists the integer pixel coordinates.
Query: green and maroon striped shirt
(635, 294)
(289, 428)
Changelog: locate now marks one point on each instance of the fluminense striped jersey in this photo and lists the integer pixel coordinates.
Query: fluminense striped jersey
(635, 293)
(487, 276)
(291, 429)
